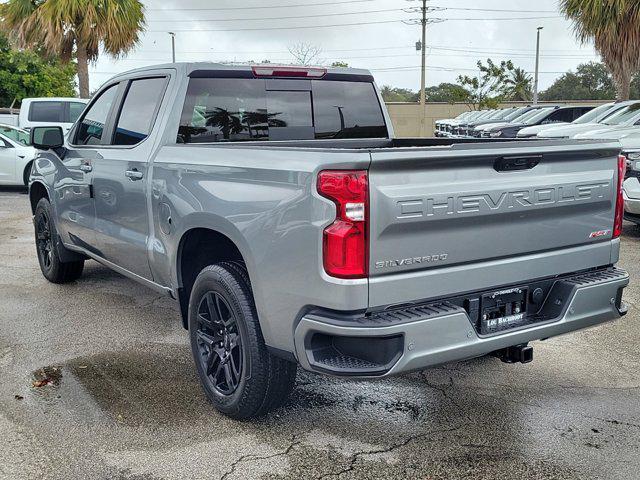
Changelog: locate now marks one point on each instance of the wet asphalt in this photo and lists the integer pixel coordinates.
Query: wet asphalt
(122, 400)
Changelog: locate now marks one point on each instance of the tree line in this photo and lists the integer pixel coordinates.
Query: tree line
(497, 83)
(24, 73)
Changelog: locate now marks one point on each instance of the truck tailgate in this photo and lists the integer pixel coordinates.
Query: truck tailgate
(469, 217)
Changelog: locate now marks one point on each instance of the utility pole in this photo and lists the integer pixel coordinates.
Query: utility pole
(423, 80)
(423, 21)
(173, 46)
(535, 80)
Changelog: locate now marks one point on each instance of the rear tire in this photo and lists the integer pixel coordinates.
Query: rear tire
(241, 378)
(47, 244)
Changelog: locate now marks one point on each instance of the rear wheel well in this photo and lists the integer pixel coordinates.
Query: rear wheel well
(198, 249)
(26, 172)
(36, 193)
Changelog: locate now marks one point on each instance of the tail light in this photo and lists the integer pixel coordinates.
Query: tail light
(345, 245)
(617, 223)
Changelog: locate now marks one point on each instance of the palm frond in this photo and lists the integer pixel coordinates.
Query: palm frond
(614, 28)
(55, 25)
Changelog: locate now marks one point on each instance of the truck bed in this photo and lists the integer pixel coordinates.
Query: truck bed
(449, 216)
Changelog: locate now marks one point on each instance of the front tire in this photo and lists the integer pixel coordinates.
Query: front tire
(239, 375)
(53, 269)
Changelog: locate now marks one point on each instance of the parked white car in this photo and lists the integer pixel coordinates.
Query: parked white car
(610, 133)
(591, 117)
(617, 116)
(620, 125)
(54, 111)
(631, 187)
(16, 156)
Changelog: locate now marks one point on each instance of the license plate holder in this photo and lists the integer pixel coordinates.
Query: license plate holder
(503, 310)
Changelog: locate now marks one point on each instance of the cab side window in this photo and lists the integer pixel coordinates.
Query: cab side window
(91, 128)
(139, 110)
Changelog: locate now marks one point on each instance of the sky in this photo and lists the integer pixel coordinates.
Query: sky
(371, 34)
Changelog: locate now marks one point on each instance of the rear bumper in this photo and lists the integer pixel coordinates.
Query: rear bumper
(414, 338)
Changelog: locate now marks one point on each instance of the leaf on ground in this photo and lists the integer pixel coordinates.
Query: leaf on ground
(47, 376)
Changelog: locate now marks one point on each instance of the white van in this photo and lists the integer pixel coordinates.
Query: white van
(59, 111)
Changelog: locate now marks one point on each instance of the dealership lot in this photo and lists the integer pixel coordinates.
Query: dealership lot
(121, 398)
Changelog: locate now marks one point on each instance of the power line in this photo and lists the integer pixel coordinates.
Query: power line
(305, 27)
(503, 18)
(338, 14)
(507, 51)
(523, 50)
(260, 29)
(375, 57)
(348, 2)
(498, 10)
(512, 54)
(446, 69)
(341, 14)
(261, 7)
(261, 52)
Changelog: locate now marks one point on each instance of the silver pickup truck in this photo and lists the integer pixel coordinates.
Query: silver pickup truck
(276, 206)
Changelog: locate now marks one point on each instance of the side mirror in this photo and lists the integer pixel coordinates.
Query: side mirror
(45, 138)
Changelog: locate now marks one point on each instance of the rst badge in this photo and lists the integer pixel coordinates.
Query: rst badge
(600, 233)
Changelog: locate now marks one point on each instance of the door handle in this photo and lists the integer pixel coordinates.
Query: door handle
(86, 168)
(133, 175)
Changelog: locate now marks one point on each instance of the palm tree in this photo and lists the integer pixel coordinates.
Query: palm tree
(519, 85)
(614, 28)
(81, 27)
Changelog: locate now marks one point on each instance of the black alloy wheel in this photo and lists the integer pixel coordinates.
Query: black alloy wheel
(219, 343)
(238, 373)
(49, 249)
(44, 242)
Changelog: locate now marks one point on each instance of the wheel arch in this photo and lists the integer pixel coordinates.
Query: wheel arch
(199, 247)
(37, 191)
(26, 171)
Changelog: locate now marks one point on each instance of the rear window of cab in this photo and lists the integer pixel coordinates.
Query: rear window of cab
(240, 110)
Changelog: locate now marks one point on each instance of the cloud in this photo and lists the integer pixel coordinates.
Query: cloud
(387, 47)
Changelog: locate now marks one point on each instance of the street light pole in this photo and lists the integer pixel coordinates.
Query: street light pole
(173, 46)
(535, 80)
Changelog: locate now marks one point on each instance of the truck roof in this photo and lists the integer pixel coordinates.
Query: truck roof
(188, 68)
(55, 99)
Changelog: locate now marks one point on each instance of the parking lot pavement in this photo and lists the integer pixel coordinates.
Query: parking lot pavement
(123, 401)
